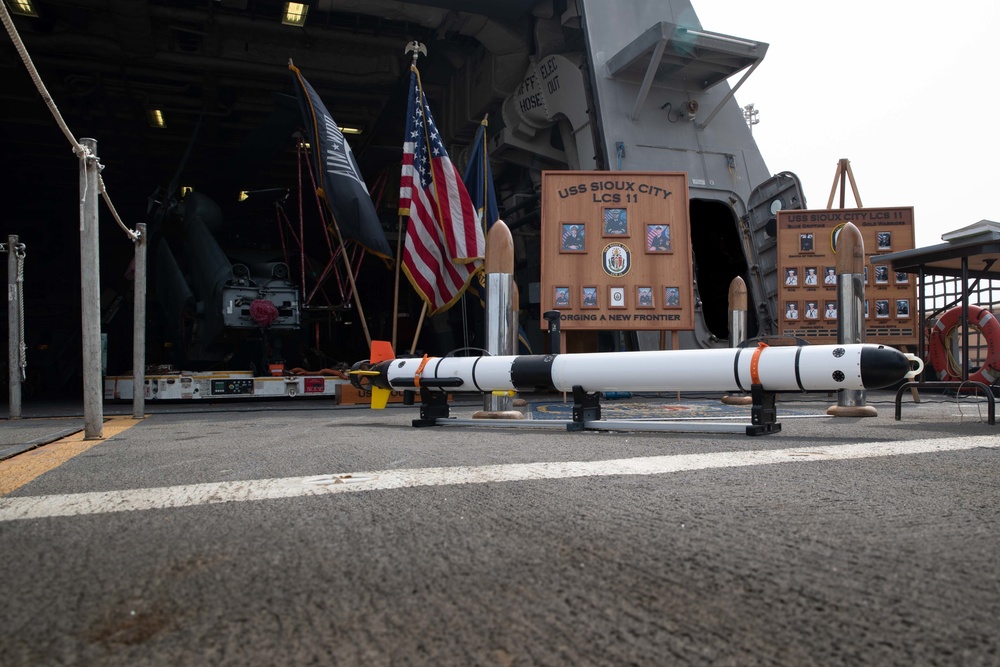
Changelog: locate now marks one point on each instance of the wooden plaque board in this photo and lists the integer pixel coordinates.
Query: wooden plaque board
(616, 250)
(807, 255)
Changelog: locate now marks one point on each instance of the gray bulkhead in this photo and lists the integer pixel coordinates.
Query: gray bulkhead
(652, 93)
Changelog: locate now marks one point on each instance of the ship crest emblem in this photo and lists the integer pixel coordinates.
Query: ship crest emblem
(617, 259)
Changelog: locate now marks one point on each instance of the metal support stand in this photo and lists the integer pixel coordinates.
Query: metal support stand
(433, 406)
(763, 414)
(586, 408)
(434, 411)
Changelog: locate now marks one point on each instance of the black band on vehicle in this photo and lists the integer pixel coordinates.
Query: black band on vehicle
(798, 378)
(736, 368)
(474, 364)
(532, 372)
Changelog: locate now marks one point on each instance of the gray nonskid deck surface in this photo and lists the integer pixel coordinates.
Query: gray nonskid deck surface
(874, 560)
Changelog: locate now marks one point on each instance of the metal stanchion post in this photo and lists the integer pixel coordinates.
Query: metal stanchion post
(90, 277)
(737, 330)
(13, 330)
(851, 314)
(139, 326)
(501, 327)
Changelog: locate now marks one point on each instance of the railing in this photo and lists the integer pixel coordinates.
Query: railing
(942, 293)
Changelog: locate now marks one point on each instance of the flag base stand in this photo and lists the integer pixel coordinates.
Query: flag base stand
(852, 411)
(497, 414)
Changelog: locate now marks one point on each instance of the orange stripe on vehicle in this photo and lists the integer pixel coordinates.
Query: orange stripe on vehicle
(755, 362)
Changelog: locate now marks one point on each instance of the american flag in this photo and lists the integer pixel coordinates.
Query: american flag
(651, 233)
(445, 243)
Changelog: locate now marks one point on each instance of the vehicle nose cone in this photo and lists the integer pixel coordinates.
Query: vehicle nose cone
(882, 367)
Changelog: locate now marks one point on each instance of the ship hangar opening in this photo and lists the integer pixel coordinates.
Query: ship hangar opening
(718, 258)
(218, 73)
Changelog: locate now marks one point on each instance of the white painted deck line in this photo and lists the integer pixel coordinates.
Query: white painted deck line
(129, 500)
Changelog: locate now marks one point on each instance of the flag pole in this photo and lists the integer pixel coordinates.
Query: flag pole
(417, 48)
(420, 324)
(395, 293)
(350, 277)
(485, 122)
(482, 219)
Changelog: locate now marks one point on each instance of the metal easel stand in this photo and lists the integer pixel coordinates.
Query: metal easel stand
(435, 411)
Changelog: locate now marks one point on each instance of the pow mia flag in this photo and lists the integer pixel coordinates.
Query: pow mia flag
(341, 184)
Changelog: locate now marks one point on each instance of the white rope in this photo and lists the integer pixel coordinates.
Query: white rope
(132, 234)
(79, 149)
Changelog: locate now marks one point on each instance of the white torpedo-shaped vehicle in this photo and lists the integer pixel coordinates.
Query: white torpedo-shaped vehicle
(758, 368)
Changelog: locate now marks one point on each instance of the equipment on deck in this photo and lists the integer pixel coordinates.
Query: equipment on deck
(756, 368)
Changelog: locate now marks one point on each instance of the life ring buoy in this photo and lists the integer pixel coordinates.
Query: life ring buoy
(946, 329)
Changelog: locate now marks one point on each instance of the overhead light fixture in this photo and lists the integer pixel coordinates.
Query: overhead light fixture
(186, 190)
(350, 130)
(295, 14)
(155, 118)
(22, 8)
(243, 196)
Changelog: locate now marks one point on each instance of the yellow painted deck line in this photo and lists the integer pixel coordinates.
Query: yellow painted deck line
(18, 470)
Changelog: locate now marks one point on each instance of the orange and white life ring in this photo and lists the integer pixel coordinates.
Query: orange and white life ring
(942, 340)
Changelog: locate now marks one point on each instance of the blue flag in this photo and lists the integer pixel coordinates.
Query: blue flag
(478, 181)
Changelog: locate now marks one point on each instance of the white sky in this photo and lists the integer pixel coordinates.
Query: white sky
(907, 91)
